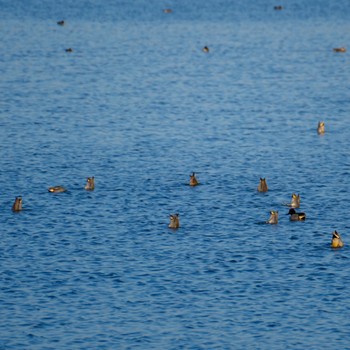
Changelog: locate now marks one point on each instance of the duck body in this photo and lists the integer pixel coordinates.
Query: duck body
(174, 221)
(262, 187)
(336, 240)
(193, 180)
(90, 184)
(320, 128)
(205, 49)
(294, 216)
(273, 217)
(57, 189)
(295, 203)
(17, 205)
(339, 49)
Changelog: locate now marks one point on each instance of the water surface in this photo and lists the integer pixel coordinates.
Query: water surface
(138, 105)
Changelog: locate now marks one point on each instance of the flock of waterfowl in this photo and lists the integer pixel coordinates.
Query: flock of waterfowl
(262, 187)
(205, 48)
(90, 186)
(273, 219)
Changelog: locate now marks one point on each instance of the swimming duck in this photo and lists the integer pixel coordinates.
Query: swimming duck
(295, 203)
(273, 217)
(69, 49)
(60, 23)
(90, 184)
(193, 180)
(57, 189)
(174, 221)
(205, 49)
(320, 128)
(294, 216)
(262, 187)
(17, 205)
(167, 10)
(339, 49)
(336, 240)
(278, 7)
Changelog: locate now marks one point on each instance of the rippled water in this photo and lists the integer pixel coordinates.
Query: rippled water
(138, 105)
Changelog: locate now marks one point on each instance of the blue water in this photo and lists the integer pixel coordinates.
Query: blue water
(138, 105)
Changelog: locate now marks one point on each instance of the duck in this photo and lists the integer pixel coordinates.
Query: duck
(336, 240)
(60, 23)
(57, 189)
(167, 10)
(193, 180)
(294, 216)
(339, 49)
(295, 203)
(17, 205)
(262, 187)
(90, 184)
(69, 49)
(320, 128)
(174, 221)
(205, 49)
(278, 7)
(273, 217)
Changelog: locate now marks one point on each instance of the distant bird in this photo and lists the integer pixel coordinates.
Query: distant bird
(193, 180)
(167, 10)
(69, 49)
(294, 216)
(336, 240)
(295, 203)
(17, 205)
(262, 187)
(57, 189)
(90, 184)
(278, 7)
(320, 128)
(205, 49)
(273, 217)
(60, 23)
(174, 221)
(339, 49)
